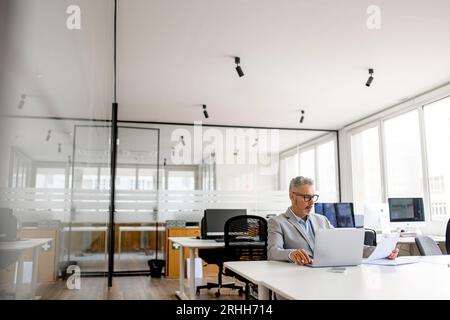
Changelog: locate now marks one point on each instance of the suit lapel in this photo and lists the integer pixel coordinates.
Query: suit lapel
(293, 220)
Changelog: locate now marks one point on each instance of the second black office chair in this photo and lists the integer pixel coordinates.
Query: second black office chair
(245, 240)
(370, 237)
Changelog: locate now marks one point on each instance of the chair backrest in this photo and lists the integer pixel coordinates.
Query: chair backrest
(246, 238)
(370, 237)
(427, 246)
(447, 237)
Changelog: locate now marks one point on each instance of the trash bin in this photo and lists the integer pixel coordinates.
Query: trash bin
(156, 267)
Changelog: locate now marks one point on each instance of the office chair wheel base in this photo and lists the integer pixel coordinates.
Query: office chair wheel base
(217, 294)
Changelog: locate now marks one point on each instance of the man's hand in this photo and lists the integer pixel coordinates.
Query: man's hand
(393, 254)
(300, 256)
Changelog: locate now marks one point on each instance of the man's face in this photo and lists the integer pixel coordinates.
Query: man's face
(299, 205)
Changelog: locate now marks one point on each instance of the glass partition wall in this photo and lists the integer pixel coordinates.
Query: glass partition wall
(57, 66)
(56, 91)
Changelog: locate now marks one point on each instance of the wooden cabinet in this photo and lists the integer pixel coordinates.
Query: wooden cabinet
(173, 250)
(48, 256)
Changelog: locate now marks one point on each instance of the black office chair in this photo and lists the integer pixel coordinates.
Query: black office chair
(215, 256)
(447, 237)
(245, 240)
(370, 237)
(427, 246)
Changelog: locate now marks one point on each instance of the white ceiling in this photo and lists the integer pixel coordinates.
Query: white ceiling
(174, 56)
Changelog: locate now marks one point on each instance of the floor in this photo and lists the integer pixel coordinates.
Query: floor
(129, 288)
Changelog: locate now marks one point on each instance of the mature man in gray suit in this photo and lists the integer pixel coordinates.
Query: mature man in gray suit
(292, 234)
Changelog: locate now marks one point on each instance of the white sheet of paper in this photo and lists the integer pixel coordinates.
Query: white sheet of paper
(384, 248)
(396, 262)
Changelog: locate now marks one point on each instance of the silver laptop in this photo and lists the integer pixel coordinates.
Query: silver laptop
(338, 247)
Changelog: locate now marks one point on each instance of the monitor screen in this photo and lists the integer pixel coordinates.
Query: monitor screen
(329, 211)
(318, 208)
(344, 215)
(215, 220)
(406, 209)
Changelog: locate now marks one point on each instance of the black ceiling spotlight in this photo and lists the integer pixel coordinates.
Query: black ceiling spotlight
(237, 60)
(49, 135)
(369, 81)
(205, 112)
(182, 141)
(22, 101)
(165, 162)
(302, 116)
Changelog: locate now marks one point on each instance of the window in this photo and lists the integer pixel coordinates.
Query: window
(147, 179)
(437, 133)
(326, 172)
(126, 179)
(403, 156)
(307, 164)
(181, 180)
(50, 178)
(366, 169)
(86, 178)
(288, 170)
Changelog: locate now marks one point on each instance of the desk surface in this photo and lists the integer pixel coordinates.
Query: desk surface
(86, 229)
(23, 244)
(427, 279)
(411, 239)
(197, 243)
(142, 228)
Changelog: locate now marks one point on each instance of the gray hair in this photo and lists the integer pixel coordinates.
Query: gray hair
(300, 181)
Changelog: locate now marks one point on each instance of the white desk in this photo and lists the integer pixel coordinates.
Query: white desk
(410, 240)
(21, 246)
(136, 229)
(192, 244)
(427, 279)
(90, 229)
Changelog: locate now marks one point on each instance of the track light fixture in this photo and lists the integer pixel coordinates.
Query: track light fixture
(165, 162)
(49, 135)
(22, 101)
(59, 147)
(369, 81)
(302, 117)
(205, 112)
(182, 141)
(239, 71)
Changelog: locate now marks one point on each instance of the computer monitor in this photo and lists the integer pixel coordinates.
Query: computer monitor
(215, 220)
(318, 207)
(344, 215)
(406, 210)
(329, 211)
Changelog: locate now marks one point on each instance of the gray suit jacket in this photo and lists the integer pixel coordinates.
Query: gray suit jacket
(286, 235)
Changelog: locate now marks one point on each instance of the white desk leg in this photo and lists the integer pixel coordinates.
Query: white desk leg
(19, 278)
(263, 292)
(34, 273)
(192, 274)
(181, 294)
(120, 243)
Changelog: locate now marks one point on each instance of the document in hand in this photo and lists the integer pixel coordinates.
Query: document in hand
(384, 248)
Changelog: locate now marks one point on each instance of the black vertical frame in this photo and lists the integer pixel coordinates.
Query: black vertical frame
(113, 160)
